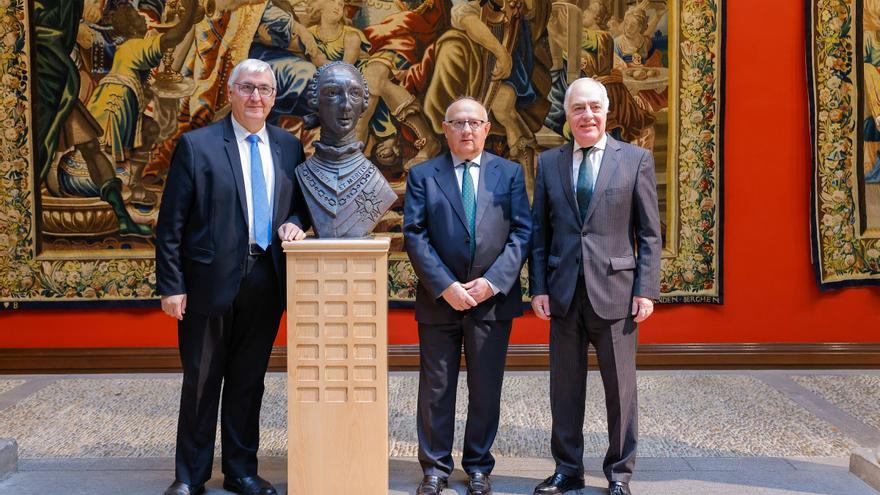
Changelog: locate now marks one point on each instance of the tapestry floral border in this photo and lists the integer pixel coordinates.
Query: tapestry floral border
(842, 257)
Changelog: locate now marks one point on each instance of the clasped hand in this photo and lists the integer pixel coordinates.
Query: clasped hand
(466, 296)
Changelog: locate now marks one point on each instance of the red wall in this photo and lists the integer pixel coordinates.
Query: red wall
(770, 292)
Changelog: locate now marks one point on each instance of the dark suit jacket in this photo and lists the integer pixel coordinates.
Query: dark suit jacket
(622, 219)
(202, 231)
(437, 238)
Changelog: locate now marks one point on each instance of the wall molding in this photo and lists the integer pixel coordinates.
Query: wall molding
(519, 357)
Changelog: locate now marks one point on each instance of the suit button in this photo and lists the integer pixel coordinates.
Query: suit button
(583, 234)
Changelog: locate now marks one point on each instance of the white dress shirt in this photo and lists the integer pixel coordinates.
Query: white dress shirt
(596, 154)
(458, 163)
(244, 153)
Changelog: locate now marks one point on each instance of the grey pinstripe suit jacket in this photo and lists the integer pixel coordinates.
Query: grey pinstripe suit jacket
(616, 249)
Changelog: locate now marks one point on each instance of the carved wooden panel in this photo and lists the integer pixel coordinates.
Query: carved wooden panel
(337, 365)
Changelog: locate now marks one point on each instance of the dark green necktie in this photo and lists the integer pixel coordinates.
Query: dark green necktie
(585, 183)
(469, 200)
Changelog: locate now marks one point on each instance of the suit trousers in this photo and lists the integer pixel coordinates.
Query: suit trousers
(231, 350)
(615, 342)
(485, 348)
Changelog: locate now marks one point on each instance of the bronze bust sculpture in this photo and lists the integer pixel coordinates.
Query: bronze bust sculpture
(346, 194)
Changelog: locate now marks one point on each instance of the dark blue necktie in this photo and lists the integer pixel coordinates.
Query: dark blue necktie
(585, 183)
(259, 197)
(469, 200)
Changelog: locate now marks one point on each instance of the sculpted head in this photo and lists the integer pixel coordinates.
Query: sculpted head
(338, 95)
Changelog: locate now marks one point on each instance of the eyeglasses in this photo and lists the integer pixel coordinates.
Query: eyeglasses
(459, 125)
(247, 89)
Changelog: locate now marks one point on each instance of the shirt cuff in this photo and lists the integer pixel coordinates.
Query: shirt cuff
(495, 290)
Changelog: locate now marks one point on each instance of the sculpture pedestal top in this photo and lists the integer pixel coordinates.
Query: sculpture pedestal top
(377, 243)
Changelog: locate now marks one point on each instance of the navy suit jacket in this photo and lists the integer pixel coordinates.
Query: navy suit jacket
(438, 243)
(202, 230)
(622, 220)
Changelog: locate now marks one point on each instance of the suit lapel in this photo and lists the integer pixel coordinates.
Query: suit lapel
(564, 165)
(445, 177)
(610, 159)
(280, 177)
(489, 174)
(235, 165)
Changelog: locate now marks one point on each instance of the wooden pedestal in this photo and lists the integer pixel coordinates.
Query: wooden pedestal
(337, 366)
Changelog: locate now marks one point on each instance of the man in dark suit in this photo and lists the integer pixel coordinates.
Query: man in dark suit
(230, 199)
(466, 227)
(594, 272)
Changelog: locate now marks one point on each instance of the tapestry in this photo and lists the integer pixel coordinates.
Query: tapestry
(844, 88)
(95, 94)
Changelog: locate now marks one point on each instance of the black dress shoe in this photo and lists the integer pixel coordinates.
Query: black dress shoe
(558, 483)
(249, 485)
(431, 485)
(479, 484)
(181, 488)
(618, 488)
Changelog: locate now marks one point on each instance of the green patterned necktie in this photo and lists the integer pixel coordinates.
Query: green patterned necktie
(469, 200)
(585, 183)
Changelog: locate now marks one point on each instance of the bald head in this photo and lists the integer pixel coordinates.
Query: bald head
(466, 100)
(466, 127)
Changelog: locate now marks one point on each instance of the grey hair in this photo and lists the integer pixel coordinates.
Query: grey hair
(250, 65)
(465, 98)
(599, 87)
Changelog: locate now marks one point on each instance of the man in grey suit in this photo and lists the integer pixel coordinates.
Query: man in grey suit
(595, 208)
(466, 226)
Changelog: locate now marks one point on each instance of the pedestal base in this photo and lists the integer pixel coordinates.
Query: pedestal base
(337, 365)
(8, 457)
(864, 464)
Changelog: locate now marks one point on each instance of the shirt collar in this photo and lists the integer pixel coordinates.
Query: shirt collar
(241, 133)
(603, 141)
(456, 161)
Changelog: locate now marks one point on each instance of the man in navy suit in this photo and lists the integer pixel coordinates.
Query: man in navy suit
(230, 199)
(466, 227)
(594, 272)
